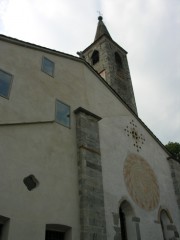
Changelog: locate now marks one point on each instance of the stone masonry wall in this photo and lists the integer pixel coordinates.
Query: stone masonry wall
(118, 79)
(92, 213)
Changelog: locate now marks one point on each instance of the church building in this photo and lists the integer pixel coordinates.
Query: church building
(77, 162)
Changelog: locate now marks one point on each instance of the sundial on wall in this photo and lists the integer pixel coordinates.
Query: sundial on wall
(132, 131)
(141, 182)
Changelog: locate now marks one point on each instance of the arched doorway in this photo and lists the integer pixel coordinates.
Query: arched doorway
(166, 221)
(126, 214)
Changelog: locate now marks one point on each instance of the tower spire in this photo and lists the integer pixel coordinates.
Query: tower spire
(101, 29)
(110, 61)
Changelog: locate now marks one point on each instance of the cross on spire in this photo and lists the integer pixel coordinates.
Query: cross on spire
(100, 14)
(100, 17)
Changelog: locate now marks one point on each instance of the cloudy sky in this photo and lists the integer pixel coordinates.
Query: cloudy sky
(148, 29)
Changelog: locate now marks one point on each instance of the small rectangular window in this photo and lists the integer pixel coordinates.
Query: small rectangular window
(57, 232)
(5, 84)
(62, 113)
(48, 66)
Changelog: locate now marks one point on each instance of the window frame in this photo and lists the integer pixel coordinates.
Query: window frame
(10, 85)
(57, 100)
(42, 66)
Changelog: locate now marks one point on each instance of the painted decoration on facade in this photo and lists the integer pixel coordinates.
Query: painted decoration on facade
(141, 182)
(138, 139)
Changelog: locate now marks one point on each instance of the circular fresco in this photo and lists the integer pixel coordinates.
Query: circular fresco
(141, 182)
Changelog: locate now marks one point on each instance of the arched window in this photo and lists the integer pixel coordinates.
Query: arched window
(127, 227)
(118, 61)
(165, 221)
(95, 57)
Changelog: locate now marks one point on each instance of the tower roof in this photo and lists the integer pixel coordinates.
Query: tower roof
(101, 29)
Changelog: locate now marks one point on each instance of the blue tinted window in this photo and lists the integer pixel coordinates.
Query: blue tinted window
(62, 113)
(48, 66)
(5, 84)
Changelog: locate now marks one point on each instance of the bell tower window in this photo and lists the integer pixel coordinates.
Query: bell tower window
(95, 57)
(118, 61)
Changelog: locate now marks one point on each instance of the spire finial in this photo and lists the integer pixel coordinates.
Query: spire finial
(101, 28)
(100, 18)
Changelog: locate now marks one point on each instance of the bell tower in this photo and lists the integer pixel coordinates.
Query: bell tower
(110, 61)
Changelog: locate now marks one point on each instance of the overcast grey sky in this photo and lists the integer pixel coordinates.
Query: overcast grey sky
(148, 29)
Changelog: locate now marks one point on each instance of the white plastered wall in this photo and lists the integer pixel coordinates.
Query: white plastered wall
(116, 145)
(32, 143)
